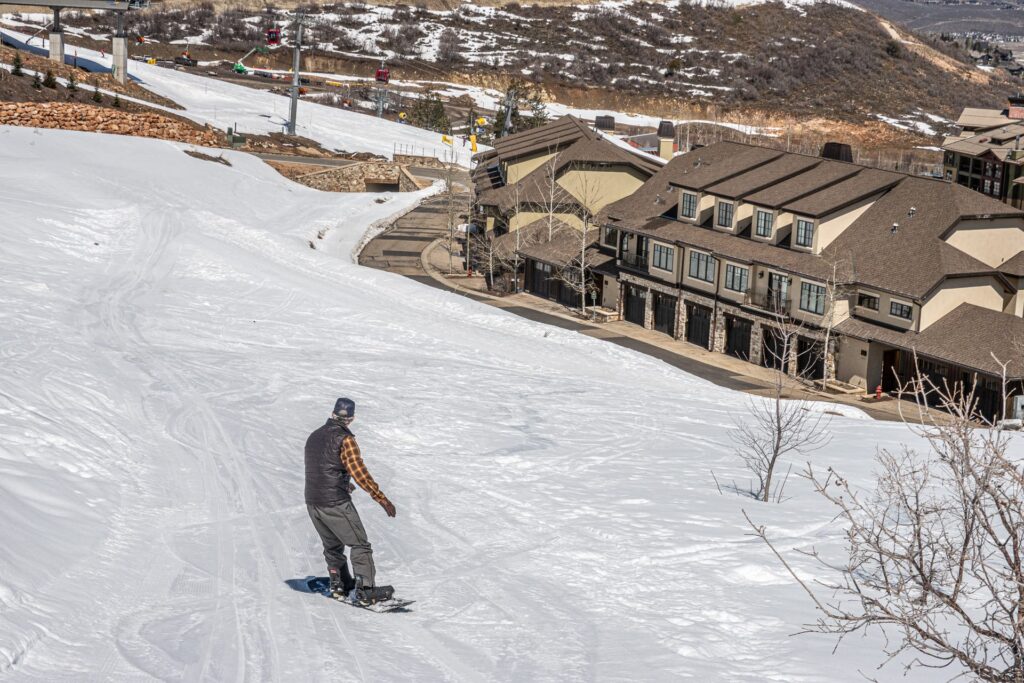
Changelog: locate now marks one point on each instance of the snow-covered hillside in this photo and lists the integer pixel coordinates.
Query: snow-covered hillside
(168, 340)
(222, 105)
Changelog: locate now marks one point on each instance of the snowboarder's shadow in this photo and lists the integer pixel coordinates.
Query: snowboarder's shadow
(302, 585)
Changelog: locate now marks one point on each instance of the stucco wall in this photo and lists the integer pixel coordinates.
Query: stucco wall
(514, 172)
(882, 314)
(596, 188)
(990, 241)
(852, 364)
(980, 291)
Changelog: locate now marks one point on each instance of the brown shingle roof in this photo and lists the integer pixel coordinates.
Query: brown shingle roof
(694, 170)
(868, 182)
(1014, 265)
(564, 247)
(767, 175)
(701, 168)
(558, 133)
(826, 173)
(966, 336)
(1001, 142)
(914, 258)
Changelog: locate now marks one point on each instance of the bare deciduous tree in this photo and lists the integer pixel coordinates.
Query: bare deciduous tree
(774, 427)
(553, 195)
(935, 551)
(837, 289)
(576, 273)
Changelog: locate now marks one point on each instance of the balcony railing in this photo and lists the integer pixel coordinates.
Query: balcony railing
(769, 301)
(634, 261)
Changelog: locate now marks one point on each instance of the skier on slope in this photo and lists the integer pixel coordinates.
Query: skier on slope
(333, 461)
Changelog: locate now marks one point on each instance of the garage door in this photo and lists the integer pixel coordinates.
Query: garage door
(737, 337)
(698, 324)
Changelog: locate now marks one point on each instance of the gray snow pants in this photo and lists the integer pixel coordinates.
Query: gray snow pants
(339, 526)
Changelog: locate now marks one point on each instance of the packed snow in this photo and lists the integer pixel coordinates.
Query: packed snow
(169, 339)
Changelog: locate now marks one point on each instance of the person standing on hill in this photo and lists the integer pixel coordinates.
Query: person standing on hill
(333, 462)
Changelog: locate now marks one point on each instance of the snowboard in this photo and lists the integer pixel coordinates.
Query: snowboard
(321, 584)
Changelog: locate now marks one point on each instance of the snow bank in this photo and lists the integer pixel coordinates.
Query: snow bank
(169, 340)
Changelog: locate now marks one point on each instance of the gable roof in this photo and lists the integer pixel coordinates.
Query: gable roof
(558, 133)
(534, 187)
(1001, 142)
(966, 336)
(911, 260)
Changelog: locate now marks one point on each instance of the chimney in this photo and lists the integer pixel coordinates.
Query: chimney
(604, 122)
(837, 151)
(1016, 106)
(666, 139)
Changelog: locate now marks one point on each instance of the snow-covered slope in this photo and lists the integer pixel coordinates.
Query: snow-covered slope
(223, 105)
(168, 339)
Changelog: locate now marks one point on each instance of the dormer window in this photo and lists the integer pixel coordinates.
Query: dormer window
(804, 232)
(688, 205)
(898, 309)
(764, 223)
(724, 215)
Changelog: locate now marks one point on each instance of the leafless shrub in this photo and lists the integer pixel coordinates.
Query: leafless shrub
(774, 427)
(935, 551)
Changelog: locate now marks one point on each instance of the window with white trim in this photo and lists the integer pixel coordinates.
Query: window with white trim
(702, 266)
(804, 232)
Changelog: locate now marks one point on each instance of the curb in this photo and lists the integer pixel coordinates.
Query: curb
(433, 273)
(380, 225)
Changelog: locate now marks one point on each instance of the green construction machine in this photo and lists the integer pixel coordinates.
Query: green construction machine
(240, 68)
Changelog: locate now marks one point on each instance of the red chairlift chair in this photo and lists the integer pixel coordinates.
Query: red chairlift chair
(273, 36)
(383, 74)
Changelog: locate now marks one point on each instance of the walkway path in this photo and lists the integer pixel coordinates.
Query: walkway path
(412, 247)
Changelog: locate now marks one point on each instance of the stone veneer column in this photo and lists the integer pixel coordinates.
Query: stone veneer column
(794, 356)
(649, 310)
(718, 336)
(680, 318)
(830, 359)
(756, 342)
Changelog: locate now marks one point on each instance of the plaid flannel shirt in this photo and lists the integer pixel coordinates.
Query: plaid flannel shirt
(352, 459)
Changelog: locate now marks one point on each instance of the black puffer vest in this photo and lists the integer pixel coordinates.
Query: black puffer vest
(326, 478)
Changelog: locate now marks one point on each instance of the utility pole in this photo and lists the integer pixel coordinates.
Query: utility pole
(296, 56)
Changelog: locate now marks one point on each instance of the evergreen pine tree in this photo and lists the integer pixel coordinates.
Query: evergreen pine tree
(117, 101)
(16, 70)
(37, 83)
(49, 80)
(96, 96)
(72, 84)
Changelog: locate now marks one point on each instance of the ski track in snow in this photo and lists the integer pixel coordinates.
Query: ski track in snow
(168, 341)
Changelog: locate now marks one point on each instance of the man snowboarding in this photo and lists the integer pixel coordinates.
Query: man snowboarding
(333, 461)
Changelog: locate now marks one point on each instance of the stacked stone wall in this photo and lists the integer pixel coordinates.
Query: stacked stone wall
(88, 118)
